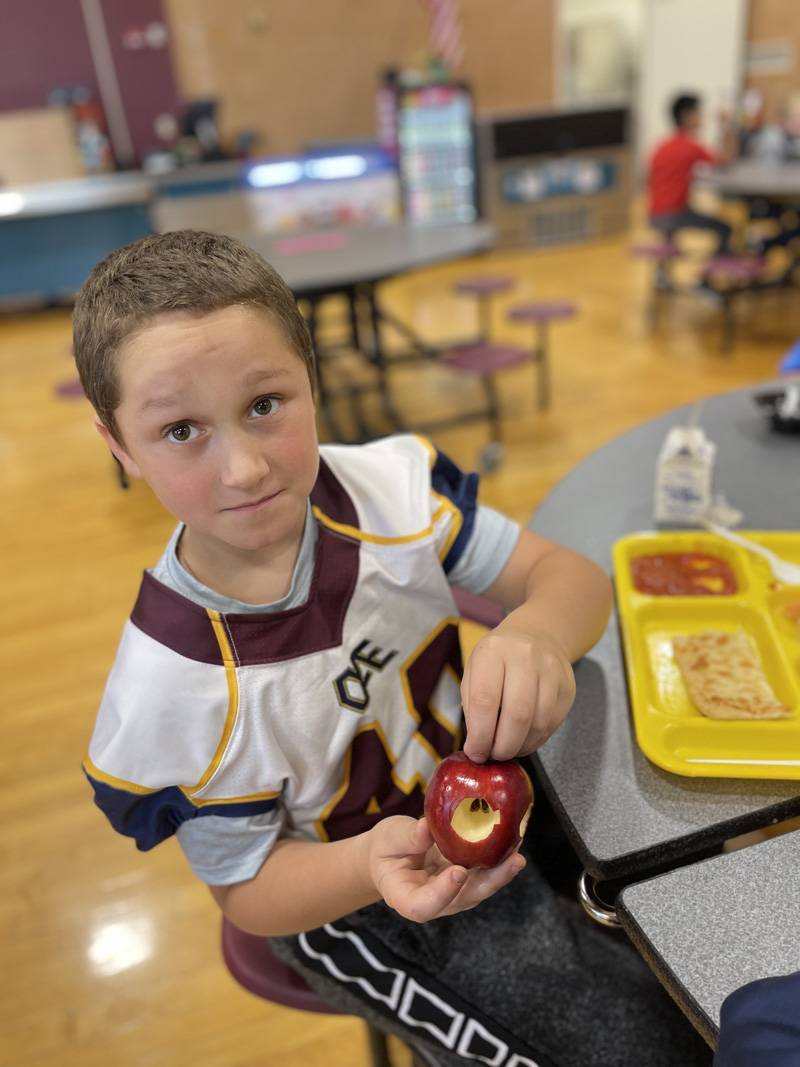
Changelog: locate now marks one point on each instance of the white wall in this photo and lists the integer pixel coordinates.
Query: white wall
(599, 48)
(689, 46)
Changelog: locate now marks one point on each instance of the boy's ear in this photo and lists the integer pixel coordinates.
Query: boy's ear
(128, 465)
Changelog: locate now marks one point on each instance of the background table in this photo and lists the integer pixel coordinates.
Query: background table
(625, 816)
(353, 263)
(711, 927)
(753, 178)
(327, 261)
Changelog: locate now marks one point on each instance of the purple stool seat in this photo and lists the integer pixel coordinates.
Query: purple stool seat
(542, 311)
(477, 608)
(255, 966)
(659, 250)
(69, 388)
(485, 284)
(735, 268)
(484, 359)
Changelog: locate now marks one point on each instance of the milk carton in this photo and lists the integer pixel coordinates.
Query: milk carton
(684, 475)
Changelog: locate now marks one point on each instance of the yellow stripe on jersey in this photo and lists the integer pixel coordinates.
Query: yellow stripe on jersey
(445, 503)
(229, 664)
(116, 783)
(362, 535)
(190, 791)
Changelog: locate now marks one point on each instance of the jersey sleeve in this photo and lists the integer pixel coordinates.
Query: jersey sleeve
(162, 730)
(224, 851)
(454, 506)
(494, 538)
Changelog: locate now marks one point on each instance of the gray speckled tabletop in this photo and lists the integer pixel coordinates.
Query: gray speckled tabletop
(752, 177)
(366, 253)
(624, 815)
(713, 926)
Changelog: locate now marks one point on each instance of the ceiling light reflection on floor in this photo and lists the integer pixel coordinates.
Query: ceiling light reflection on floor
(116, 946)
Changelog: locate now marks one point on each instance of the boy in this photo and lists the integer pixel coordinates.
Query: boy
(671, 169)
(289, 677)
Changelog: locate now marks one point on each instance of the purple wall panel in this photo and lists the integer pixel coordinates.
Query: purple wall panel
(145, 75)
(43, 45)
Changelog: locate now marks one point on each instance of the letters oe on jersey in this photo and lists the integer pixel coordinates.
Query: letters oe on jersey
(351, 685)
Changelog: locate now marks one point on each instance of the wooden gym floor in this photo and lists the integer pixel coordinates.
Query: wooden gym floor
(111, 956)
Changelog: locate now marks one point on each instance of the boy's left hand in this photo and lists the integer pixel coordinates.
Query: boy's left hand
(517, 688)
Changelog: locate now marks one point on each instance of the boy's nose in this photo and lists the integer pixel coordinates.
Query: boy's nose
(244, 464)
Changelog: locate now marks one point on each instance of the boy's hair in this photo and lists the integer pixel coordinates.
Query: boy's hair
(185, 270)
(682, 106)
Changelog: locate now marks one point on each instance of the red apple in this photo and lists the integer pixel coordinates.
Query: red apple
(477, 812)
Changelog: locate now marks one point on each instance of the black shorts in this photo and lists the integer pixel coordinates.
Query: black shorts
(523, 979)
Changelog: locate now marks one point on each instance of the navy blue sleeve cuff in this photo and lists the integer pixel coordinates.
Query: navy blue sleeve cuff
(462, 490)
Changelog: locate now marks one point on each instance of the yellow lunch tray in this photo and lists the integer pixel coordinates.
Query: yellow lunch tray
(669, 729)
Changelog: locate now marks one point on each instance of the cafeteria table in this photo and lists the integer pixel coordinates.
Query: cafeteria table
(353, 263)
(627, 818)
(753, 178)
(708, 928)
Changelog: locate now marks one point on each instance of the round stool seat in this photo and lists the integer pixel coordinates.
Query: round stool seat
(656, 250)
(484, 359)
(542, 311)
(484, 284)
(71, 387)
(255, 966)
(735, 268)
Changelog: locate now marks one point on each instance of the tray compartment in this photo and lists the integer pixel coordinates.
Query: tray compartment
(655, 544)
(655, 625)
(670, 730)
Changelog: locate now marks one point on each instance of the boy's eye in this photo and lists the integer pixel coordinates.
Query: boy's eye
(266, 405)
(183, 431)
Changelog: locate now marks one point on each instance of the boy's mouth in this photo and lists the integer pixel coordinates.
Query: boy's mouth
(254, 505)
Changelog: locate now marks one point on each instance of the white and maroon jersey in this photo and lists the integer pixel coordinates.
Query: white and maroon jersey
(334, 713)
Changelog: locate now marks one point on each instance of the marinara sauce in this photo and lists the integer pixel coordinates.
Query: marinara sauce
(683, 574)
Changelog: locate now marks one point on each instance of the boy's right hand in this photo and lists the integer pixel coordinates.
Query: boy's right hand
(413, 877)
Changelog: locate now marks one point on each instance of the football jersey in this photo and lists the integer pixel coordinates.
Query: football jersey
(334, 713)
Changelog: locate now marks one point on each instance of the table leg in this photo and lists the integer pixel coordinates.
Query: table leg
(728, 322)
(542, 367)
(378, 359)
(322, 388)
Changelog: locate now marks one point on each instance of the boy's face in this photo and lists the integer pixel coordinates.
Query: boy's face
(217, 416)
(692, 121)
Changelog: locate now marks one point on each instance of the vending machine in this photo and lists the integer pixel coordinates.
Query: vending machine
(432, 130)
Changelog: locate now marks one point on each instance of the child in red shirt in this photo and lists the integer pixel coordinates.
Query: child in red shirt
(670, 176)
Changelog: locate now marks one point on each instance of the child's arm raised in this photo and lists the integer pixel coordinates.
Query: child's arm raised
(302, 884)
(518, 684)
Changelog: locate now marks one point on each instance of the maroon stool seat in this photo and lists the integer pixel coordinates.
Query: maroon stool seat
(477, 608)
(659, 250)
(736, 269)
(483, 287)
(254, 965)
(484, 358)
(540, 313)
(662, 252)
(485, 284)
(728, 276)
